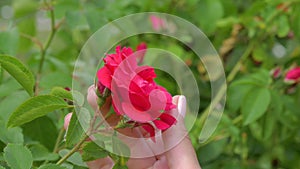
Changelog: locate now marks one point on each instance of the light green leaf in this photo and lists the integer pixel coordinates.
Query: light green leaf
(40, 153)
(52, 166)
(255, 104)
(283, 26)
(18, 156)
(10, 135)
(35, 107)
(91, 151)
(74, 159)
(19, 71)
(120, 148)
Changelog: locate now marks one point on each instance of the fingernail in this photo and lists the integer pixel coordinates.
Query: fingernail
(182, 105)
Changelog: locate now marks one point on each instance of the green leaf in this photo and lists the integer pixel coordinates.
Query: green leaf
(40, 126)
(74, 159)
(10, 135)
(209, 12)
(19, 71)
(283, 26)
(211, 151)
(119, 147)
(41, 153)
(35, 107)
(52, 166)
(18, 156)
(75, 131)
(255, 104)
(258, 79)
(91, 151)
(236, 94)
(62, 93)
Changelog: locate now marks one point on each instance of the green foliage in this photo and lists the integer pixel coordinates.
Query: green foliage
(18, 156)
(19, 71)
(260, 124)
(35, 107)
(91, 151)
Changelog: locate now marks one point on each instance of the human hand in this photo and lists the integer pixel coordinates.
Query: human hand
(181, 156)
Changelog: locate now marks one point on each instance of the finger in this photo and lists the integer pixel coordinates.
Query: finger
(183, 154)
(161, 163)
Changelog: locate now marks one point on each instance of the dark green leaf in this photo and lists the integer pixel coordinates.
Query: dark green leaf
(91, 151)
(18, 156)
(236, 94)
(35, 107)
(75, 131)
(255, 104)
(19, 71)
(52, 166)
(40, 126)
(41, 153)
(211, 151)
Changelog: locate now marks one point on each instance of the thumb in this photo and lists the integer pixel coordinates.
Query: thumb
(183, 154)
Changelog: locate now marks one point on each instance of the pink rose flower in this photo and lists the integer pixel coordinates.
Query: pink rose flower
(157, 23)
(293, 75)
(135, 94)
(276, 72)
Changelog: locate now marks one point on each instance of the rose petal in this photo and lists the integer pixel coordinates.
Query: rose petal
(150, 129)
(135, 114)
(167, 118)
(161, 125)
(104, 76)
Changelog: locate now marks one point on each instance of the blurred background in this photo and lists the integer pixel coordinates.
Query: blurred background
(257, 40)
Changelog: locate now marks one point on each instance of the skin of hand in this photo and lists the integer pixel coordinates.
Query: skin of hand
(181, 156)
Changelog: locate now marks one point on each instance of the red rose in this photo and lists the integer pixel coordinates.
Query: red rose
(293, 75)
(135, 95)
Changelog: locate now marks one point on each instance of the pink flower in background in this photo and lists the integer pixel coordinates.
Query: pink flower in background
(293, 75)
(276, 72)
(157, 23)
(134, 92)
